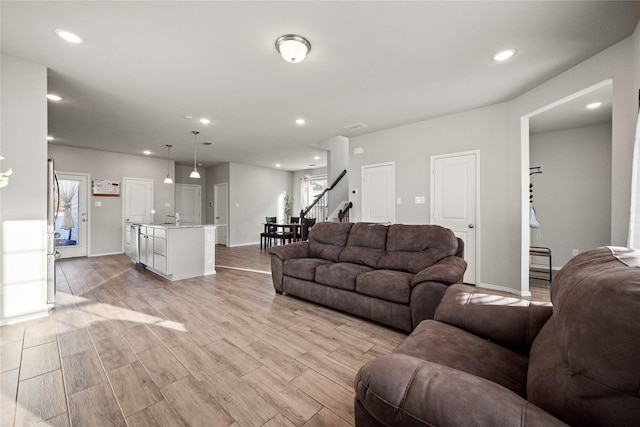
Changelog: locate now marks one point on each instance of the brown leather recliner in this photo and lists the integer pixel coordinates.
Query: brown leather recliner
(488, 360)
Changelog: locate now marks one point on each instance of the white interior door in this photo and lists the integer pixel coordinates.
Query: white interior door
(454, 202)
(189, 203)
(138, 200)
(221, 211)
(71, 237)
(378, 193)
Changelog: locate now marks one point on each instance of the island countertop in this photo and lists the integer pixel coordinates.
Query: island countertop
(172, 225)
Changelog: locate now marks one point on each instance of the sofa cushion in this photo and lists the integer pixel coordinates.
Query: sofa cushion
(449, 346)
(340, 275)
(415, 247)
(327, 239)
(388, 285)
(365, 244)
(303, 268)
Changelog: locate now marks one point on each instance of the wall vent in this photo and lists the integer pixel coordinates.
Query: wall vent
(356, 126)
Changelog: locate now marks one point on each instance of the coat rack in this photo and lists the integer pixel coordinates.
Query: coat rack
(534, 170)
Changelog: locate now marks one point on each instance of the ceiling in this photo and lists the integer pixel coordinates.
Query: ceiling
(145, 65)
(573, 112)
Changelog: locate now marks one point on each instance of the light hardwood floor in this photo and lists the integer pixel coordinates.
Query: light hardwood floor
(124, 347)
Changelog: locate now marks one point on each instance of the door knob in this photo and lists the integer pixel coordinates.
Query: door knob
(471, 225)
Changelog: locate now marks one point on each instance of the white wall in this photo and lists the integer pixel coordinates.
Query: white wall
(504, 160)
(23, 203)
(572, 195)
(254, 193)
(106, 222)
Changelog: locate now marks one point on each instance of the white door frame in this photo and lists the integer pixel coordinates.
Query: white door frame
(525, 230)
(87, 240)
(477, 206)
(393, 188)
(216, 212)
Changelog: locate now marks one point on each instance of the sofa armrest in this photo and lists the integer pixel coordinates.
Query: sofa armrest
(398, 389)
(448, 270)
(511, 322)
(290, 251)
(280, 254)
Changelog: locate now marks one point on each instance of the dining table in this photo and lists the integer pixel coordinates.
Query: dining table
(293, 228)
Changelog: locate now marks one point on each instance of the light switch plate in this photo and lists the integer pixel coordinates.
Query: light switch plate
(420, 200)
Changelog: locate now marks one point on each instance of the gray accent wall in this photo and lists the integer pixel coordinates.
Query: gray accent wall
(497, 132)
(254, 193)
(572, 195)
(106, 222)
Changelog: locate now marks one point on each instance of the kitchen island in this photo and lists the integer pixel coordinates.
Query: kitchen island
(172, 251)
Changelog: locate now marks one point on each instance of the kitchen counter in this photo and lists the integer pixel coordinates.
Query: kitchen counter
(172, 251)
(172, 225)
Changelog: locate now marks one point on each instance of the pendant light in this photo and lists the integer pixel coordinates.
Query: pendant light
(194, 173)
(168, 179)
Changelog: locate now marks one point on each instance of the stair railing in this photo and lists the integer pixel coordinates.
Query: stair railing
(316, 208)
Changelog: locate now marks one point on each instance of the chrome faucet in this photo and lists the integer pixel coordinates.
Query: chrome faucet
(176, 216)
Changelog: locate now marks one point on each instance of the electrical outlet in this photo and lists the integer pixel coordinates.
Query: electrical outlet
(575, 252)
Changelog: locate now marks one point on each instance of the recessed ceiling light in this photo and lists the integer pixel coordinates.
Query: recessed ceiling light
(67, 35)
(187, 117)
(503, 55)
(316, 157)
(205, 121)
(300, 121)
(277, 165)
(593, 105)
(50, 138)
(54, 97)
(147, 152)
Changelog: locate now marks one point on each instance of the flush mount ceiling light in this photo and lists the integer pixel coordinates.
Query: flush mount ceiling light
(300, 121)
(168, 179)
(68, 36)
(593, 105)
(194, 173)
(205, 121)
(293, 48)
(503, 55)
(54, 97)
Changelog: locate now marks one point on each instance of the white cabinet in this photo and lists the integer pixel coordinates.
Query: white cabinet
(178, 252)
(153, 248)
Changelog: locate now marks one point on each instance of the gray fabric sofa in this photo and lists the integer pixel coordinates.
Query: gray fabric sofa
(392, 274)
(489, 360)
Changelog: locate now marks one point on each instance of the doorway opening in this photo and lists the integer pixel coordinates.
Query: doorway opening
(71, 200)
(569, 194)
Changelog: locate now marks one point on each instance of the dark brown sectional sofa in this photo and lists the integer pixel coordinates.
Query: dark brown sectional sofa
(489, 360)
(392, 274)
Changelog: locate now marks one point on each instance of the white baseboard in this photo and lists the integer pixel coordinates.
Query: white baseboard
(243, 244)
(505, 289)
(24, 318)
(105, 254)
